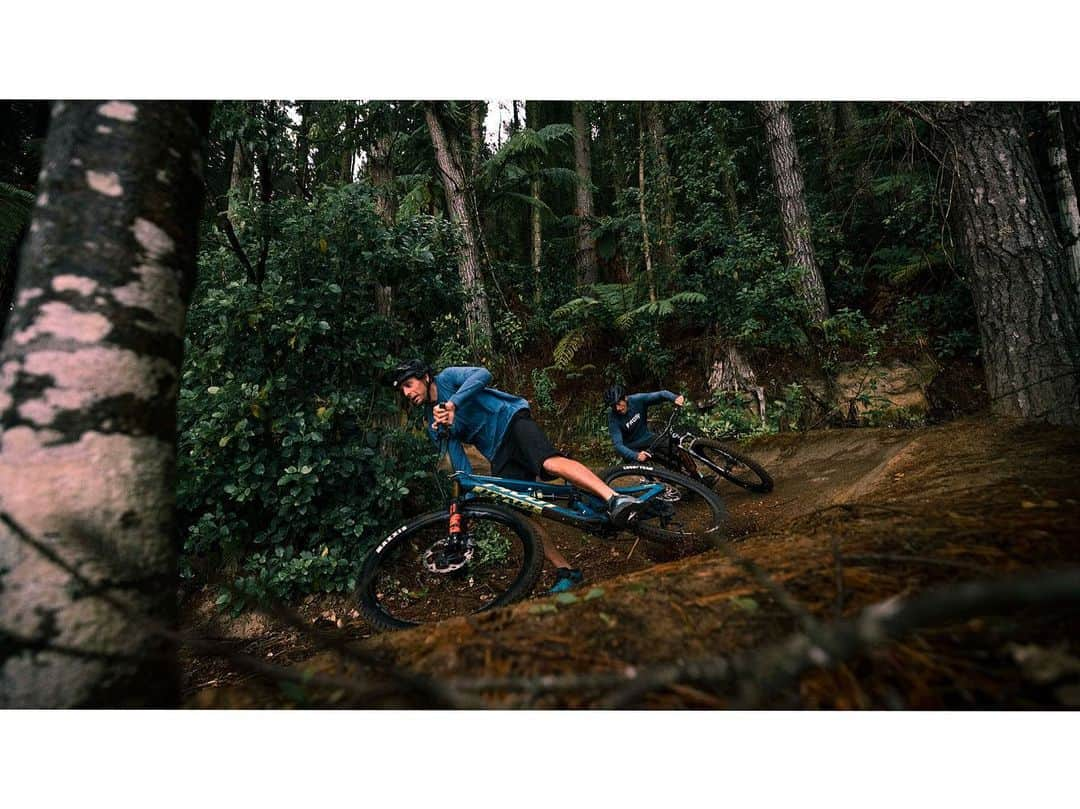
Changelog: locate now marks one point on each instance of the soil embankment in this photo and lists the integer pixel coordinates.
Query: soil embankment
(857, 516)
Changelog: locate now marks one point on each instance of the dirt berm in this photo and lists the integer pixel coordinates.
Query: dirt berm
(857, 516)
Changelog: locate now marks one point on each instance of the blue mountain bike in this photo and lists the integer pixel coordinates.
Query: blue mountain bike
(481, 551)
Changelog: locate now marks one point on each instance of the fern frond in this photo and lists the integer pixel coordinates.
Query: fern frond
(574, 307)
(554, 132)
(567, 347)
(16, 207)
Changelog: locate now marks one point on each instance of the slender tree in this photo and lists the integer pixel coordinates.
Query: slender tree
(477, 110)
(586, 244)
(646, 248)
(348, 139)
(380, 167)
(240, 182)
(794, 218)
(303, 147)
(825, 116)
(536, 231)
(665, 251)
(455, 186)
(90, 373)
(1027, 308)
(1064, 192)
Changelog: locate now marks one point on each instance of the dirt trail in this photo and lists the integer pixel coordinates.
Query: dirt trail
(856, 516)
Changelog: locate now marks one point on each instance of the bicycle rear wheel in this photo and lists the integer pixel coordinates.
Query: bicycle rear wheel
(684, 513)
(406, 581)
(742, 470)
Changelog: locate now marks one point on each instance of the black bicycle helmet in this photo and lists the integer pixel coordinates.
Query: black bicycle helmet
(407, 370)
(614, 395)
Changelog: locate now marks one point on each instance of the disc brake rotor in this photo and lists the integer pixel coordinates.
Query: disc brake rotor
(446, 557)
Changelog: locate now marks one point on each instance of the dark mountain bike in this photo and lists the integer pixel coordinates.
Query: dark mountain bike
(702, 459)
(480, 552)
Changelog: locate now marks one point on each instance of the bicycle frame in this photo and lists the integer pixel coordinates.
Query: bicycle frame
(668, 444)
(582, 509)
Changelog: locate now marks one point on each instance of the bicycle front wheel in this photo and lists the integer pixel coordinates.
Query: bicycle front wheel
(742, 470)
(685, 512)
(413, 577)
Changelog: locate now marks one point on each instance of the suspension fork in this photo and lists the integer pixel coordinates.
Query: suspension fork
(456, 531)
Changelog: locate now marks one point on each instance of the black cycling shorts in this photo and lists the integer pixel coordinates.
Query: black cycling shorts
(524, 449)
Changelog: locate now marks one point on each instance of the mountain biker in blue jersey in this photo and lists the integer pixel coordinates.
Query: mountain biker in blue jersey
(500, 426)
(628, 421)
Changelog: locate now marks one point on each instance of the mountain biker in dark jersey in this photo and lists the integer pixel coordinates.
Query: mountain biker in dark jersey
(500, 426)
(628, 421)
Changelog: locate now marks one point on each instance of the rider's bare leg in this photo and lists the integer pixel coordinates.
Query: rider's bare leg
(578, 474)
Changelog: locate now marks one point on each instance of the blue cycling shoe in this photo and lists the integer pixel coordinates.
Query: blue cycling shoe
(566, 578)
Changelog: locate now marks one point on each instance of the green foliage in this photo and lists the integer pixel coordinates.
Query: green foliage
(543, 390)
(288, 471)
(16, 207)
(619, 311)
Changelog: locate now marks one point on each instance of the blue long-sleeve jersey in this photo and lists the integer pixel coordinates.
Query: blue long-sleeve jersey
(481, 416)
(630, 431)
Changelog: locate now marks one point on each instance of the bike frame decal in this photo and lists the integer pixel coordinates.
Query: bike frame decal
(504, 495)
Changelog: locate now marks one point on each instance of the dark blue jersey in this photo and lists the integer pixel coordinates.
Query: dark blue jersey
(630, 430)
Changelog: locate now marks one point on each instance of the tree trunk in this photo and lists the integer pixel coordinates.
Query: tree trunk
(240, 183)
(476, 136)
(645, 247)
(665, 251)
(348, 155)
(88, 393)
(728, 176)
(586, 244)
(825, 113)
(848, 115)
(381, 172)
(1065, 193)
(536, 239)
(303, 148)
(1024, 299)
(477, 318)
(794, 219)
(731, 373)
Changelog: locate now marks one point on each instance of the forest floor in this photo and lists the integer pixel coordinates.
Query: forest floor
(857, 516)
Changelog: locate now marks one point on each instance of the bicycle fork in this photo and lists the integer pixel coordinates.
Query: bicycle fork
(453, 552)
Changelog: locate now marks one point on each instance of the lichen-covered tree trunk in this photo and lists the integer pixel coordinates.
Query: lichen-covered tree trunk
(665, 250)
(1065, 192)
(452, 174)
(88, 384)
(794, 218)
(586, 244)
(1024, 299)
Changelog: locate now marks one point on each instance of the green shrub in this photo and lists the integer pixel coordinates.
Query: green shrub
(291, 457)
